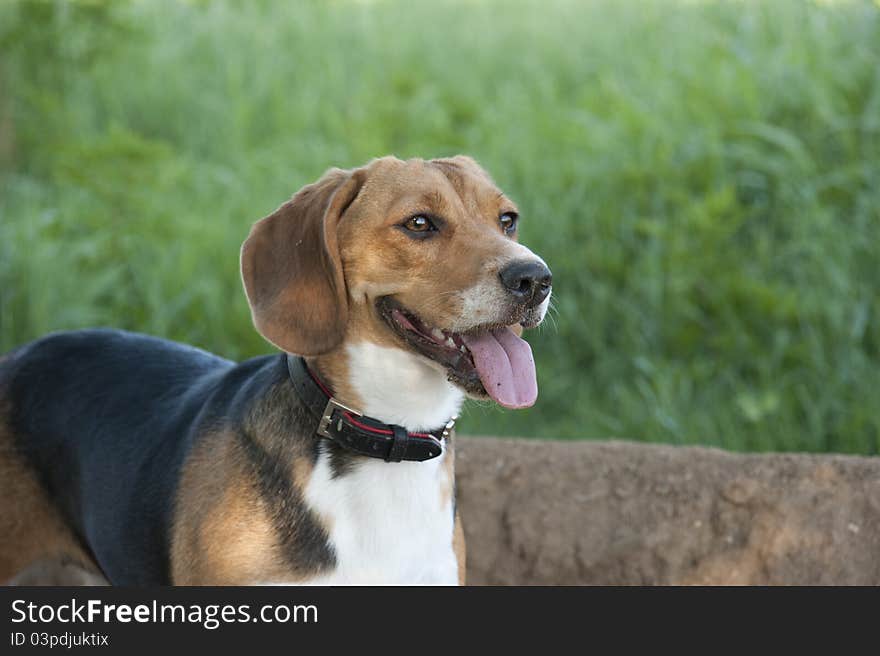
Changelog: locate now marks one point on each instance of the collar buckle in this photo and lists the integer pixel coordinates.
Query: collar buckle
(327, 416)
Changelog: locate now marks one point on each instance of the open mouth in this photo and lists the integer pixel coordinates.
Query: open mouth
(485, 361)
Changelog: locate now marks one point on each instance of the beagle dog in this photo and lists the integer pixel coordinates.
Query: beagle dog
(393, 291)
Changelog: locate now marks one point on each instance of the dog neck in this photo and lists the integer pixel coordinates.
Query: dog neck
(389, 384)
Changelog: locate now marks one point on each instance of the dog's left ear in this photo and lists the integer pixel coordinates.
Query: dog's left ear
(291, 268)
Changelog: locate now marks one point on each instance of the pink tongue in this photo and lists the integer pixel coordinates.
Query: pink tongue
(506, 367)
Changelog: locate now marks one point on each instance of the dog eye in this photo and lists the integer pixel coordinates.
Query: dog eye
(508, 222)
(419, 223)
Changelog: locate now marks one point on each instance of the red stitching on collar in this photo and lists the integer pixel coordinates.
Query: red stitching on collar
(382, 431)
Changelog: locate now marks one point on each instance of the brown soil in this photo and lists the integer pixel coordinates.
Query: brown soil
(618, 513)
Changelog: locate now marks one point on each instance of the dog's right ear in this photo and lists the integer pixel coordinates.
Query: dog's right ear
(291, 268)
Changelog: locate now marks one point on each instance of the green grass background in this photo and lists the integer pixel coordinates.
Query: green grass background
(702, 177)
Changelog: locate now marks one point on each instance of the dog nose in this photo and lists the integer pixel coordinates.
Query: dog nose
(528, 280)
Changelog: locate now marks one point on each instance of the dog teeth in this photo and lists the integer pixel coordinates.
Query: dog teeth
(437, 334)
(450, 343)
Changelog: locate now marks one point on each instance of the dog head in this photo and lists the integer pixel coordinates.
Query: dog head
(418, 255)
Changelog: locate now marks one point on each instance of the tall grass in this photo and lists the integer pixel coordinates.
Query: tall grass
(703, 178)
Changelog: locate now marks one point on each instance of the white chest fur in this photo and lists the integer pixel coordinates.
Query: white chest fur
(391, 523)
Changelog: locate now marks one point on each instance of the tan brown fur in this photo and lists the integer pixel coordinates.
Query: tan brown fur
(447, 487)
(458, 546)
(221, 533)
(446, 493)
(33, 534)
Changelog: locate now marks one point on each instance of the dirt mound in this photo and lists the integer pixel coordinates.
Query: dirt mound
(618, 513)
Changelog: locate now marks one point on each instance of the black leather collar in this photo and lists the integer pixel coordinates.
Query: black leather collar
(357, 433)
